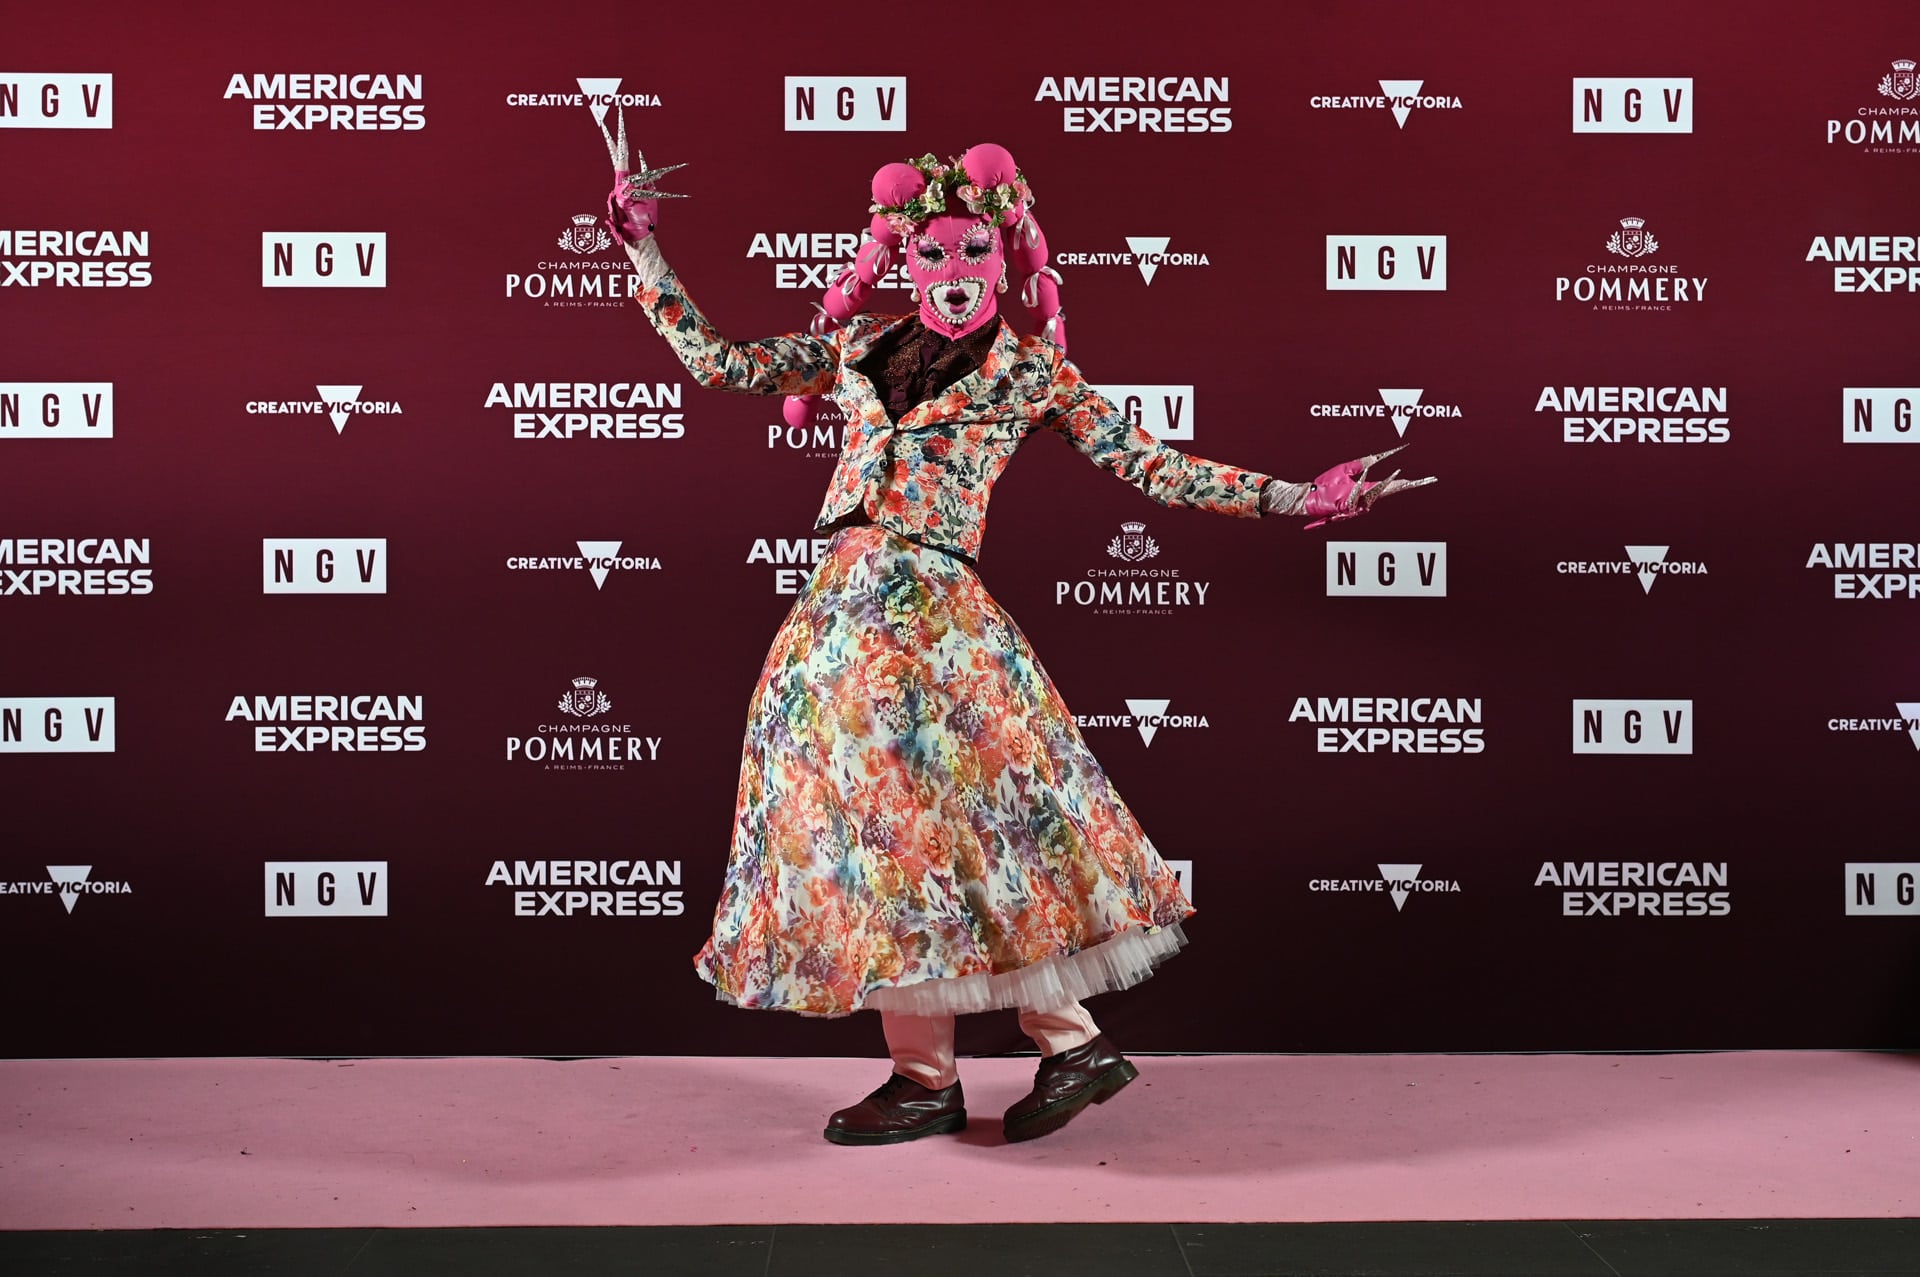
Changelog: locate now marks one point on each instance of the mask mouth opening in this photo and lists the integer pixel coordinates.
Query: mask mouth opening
(956, 301)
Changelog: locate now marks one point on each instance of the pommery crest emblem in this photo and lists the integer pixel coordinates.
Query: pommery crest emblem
(1133, 544)
(584, 701)
(1903, 85)
(586, 235)
(1633, 239)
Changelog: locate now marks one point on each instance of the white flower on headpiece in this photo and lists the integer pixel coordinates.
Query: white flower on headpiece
(970, 195)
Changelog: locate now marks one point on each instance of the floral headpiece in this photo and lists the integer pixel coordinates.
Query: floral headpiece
(950, 183)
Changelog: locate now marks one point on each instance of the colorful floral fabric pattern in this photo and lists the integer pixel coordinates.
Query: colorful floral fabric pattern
(929, 475)
(916, 802)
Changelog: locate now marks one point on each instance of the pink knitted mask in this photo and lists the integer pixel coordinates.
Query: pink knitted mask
(955, 262)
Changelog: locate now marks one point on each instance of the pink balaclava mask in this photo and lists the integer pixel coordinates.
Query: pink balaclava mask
(955, 262)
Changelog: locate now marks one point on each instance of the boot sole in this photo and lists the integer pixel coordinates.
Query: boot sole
(954, 1123)
(1049, 1120)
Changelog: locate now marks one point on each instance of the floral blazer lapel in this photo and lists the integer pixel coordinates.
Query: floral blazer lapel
(983, 394)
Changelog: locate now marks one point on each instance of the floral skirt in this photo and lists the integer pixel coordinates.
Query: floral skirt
(919, 826)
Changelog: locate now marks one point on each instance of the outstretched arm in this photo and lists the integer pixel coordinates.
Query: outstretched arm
(1104, 435)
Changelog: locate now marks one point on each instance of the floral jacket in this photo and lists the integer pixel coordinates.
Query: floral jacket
(928, 476)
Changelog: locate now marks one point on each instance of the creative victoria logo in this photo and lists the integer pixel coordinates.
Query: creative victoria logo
(75, 565)
(1400, 406)
(362, 102)
(1140, 103)
(338, 404)
(1869, 263)
(1647, 562)
(1638, 889)
(1636, 283)
(1397, 96)
(1128, 581)
(1889, 122)
(593, 888)
(811, 260)
(1393, 724)
(589, 409)
(597, 94)
(585, 737)
(1147, 717)
(1908, 721)
(75, 259)
(1638, 414)
(600, 559)
(1869, 569)
(61, 100)
(592, 275)
(1398, 882)
(69, 882)
(1145, 253)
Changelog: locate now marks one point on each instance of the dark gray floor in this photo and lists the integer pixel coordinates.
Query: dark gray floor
(1682, 1248)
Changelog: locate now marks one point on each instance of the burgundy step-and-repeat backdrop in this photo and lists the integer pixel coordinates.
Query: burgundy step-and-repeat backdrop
(380, 602)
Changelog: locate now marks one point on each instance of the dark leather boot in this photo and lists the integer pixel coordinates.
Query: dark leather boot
(900, 1110)
(1066, 1083)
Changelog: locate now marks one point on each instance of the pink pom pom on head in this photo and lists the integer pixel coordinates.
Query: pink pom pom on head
(847, 298)
(988, 164)
(897, 183)
(882, 232)
(797, 410)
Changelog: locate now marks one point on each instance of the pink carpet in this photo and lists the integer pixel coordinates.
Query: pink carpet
(295, 1143)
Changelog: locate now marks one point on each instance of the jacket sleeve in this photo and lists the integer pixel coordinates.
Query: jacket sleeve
(795, 364)
(1103, 434)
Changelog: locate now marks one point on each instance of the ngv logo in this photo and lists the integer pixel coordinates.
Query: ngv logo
(1632, 104)
(55, 101)
(323, 565)
(1398, 569)
(1633, 727)
(326, 889)
(846, 103)
(1165, 412)
(56, 410)
(323, 259)
(1387, 263)
(56, 724)
(1883, 890)
(1878, 414)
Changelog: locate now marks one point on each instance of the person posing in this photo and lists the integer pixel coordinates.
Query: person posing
(919, 828)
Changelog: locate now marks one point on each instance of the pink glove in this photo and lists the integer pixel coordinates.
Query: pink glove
(633, 206)
(1344, 493)
(629, 218)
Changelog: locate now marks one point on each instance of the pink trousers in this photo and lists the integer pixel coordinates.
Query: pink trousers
(922, 1046)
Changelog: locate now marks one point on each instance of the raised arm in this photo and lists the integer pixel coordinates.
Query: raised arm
(794, 364)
